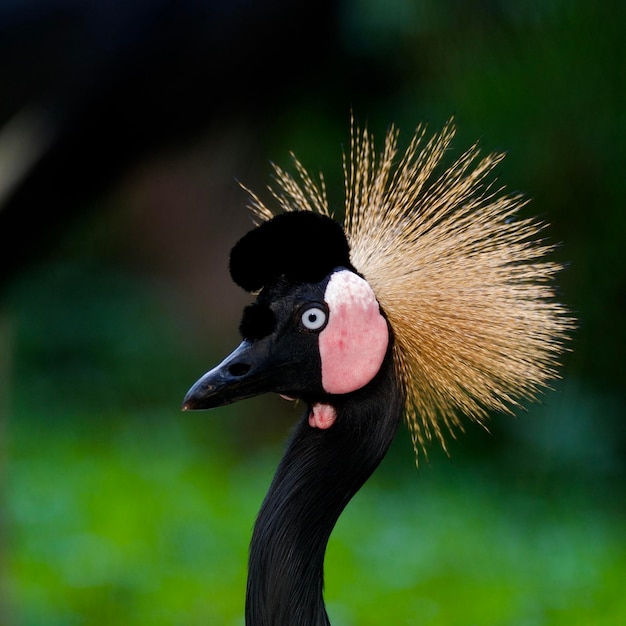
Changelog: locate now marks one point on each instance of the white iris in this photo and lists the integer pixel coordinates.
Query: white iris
(314, 318)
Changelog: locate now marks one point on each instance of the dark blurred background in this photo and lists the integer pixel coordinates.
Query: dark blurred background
(124, 130)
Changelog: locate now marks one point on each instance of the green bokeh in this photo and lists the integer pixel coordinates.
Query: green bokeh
(120, 509)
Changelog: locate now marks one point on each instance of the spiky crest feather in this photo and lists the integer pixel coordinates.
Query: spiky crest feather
(464, 282)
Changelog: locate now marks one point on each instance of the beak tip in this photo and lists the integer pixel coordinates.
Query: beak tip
(199, 397)
(191, 399)
(190, 403)
(225, 383)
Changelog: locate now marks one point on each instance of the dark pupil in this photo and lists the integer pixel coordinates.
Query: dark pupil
(312, 317)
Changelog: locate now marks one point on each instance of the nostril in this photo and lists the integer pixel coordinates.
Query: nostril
(238, 369)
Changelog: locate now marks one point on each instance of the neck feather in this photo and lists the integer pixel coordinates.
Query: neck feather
(318, 475)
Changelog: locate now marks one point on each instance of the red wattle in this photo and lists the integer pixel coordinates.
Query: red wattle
(322, 416)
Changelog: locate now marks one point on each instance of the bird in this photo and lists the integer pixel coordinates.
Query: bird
(430, 300)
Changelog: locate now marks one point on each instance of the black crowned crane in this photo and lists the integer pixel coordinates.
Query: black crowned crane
(433, 300)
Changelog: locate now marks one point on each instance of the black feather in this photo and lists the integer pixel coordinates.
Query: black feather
(300, 246)
(258, 321)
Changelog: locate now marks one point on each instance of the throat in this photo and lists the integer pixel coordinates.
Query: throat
(320, 472)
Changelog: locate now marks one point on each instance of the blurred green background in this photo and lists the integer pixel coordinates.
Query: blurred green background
(125, 128)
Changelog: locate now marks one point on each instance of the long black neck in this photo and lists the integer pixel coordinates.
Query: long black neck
(319, 474)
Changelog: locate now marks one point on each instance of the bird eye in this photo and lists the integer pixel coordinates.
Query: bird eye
(314, 318)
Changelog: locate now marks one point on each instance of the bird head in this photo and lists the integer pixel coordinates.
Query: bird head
(315, 329)
(431, 266)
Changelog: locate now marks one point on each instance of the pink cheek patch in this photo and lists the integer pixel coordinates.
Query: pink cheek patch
(354, 343)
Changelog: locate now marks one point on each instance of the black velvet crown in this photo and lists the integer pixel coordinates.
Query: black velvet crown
(299, 245)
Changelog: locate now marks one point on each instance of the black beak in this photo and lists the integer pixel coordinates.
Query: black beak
(246, 372)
